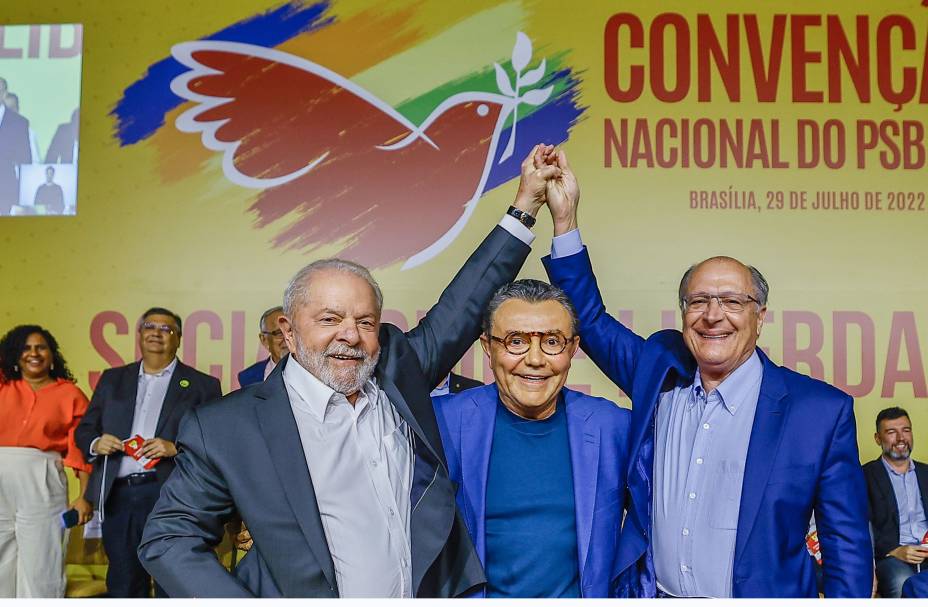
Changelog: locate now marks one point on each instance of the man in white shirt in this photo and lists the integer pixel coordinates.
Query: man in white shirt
(342, 481)
(147, 399)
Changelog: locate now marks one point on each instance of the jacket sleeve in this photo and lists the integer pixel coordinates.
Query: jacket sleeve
(841, 514)
(187, 522)
(612, 346)
(450, 327)
(91, 424)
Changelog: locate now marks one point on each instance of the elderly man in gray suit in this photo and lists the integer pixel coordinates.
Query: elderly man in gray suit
(335, 462)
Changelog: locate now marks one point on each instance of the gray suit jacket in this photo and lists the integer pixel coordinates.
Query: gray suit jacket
(243, 453)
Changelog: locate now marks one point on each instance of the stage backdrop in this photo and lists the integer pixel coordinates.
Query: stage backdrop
(224, 145)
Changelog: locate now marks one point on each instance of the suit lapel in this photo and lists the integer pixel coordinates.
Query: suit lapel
(921, 475)
(275, 418)
(584, 438)
(127, 392)
(772, 407)
(477, 426)
(174, 394)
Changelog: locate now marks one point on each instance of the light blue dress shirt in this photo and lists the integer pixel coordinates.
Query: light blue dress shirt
(912, 524)
(700, 448)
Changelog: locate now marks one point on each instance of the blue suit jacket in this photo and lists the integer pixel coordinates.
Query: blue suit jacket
(802, 458)
(598, 432)
(253, 374)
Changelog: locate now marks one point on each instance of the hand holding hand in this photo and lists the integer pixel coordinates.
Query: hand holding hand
(537, 168)
(108, 444)
(154, 448)
(563, 195)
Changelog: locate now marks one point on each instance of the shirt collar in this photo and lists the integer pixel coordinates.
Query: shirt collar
(166, 371)
(317, 397)
(892, 470)
(736, 387)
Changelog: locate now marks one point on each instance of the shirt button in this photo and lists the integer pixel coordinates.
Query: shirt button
(686, 531)
(699, 460)
(373, 462)
(392, 512)
(684, 568)
(692, 496)
(705, 426)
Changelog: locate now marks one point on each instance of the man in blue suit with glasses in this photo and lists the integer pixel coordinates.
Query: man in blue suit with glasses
(731, 454)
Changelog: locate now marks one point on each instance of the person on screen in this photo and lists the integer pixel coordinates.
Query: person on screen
(540, 469)
(49, 194)
(12, 101)
(63, 148)
(14, 151)
(732, 453)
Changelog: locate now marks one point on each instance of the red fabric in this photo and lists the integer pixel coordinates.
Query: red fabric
(43, 419)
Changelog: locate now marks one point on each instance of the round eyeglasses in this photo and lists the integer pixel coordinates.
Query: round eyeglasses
(552, 343)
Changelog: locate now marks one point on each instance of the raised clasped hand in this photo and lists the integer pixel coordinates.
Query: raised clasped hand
(537, 169)
(562, 192)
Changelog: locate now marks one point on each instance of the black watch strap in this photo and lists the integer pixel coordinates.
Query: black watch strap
(524, 218)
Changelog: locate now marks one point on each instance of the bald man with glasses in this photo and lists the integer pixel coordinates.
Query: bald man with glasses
(540, 469)
(732, 454)
(272, 338)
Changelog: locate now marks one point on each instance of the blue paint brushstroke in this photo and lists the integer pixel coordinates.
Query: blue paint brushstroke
(550, 124)
(144, 103)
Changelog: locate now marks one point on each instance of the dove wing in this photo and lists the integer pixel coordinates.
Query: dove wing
(275, 116)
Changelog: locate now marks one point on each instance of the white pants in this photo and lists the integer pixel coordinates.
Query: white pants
(33, 494)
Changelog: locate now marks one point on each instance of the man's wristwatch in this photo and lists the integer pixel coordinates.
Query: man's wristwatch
(524, 218)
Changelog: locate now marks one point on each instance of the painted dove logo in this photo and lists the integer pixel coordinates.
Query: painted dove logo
(339, 163)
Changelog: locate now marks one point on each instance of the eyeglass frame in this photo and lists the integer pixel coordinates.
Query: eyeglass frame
(159, 327)
(530, 335)
(276, 334)
(718, 299)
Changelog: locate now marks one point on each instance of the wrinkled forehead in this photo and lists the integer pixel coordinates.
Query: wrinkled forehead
(520, 315)
(719, 275)
(270, 321)
(340, 291)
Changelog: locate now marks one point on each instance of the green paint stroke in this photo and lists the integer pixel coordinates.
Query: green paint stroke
(418, 109)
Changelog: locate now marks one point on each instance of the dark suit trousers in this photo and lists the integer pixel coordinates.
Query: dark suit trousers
(127, 509)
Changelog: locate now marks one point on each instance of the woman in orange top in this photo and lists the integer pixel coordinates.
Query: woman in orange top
(39, 409)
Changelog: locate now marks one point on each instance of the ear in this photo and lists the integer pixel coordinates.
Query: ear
(761, 315)
(876, 439)
(284, 323)
(573, 345)
(485, 343)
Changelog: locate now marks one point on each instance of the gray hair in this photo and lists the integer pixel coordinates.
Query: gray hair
(761, 288)
(532, 291)
(267, 313)
(298, 287)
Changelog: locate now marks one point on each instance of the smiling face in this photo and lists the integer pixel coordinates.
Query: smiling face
(163, 339)
(35, 362)
(721, 341)
(530, 383)
(895, 438)
(333, 333)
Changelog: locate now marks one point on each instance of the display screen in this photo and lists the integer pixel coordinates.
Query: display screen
(40, 91)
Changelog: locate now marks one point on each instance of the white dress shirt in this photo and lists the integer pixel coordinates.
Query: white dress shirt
(360, 460)
(148, 403)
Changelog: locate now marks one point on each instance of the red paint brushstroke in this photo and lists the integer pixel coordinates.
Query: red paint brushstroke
(286, 117)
